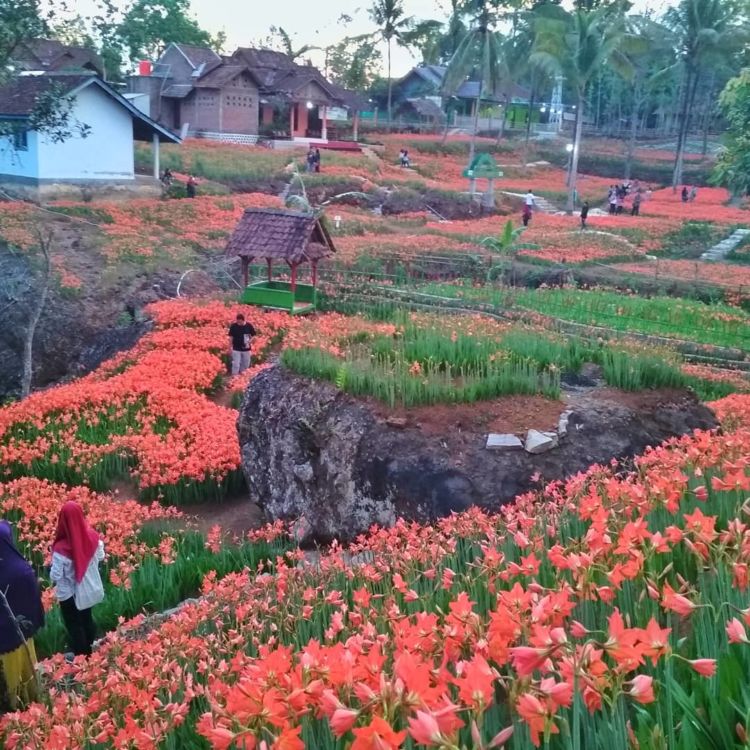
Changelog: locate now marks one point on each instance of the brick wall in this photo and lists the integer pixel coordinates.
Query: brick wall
(239, 106)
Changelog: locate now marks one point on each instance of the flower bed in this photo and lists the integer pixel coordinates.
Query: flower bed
(717, 273)
(609, 607)
(145, 413)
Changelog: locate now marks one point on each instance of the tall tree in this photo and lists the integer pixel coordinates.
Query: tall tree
(426, 37)
(353, 62)
(702, 28)
(392, 22)
(479, 56)
(287, 45)
(577, 44)
(650, 59)
(733, 166)
(149, 26)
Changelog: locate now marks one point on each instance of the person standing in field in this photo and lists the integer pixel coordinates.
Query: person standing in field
(21, 616)
(240, 336)
(76, 554)
(584, 214)
(191, 187)
(693, 193)
(529, 202)
(636, 210)
(612, 200)
(311, 159)
(317, 160)
(684, 194)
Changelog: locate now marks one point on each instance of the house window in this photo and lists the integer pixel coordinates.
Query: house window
(21, 140)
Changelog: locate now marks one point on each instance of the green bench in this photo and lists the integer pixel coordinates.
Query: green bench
(278, 295)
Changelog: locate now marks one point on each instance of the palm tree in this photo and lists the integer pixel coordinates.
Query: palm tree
(649, 72)
(285, 40)
(702, 28)
(392, 24)
(576, 44)
(480, 53)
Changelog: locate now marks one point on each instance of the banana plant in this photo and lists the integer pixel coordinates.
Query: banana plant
(506, 245)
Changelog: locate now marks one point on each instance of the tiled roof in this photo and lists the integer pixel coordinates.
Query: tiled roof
(19, 95)
(51, 55)
(426, 108)
(177, 90)
(221, 76)
(280, 235)
(198, 56)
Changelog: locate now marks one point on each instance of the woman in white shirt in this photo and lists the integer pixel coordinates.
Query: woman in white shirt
(76, 554)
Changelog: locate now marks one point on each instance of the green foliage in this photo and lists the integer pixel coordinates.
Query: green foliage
(692, 239)
(156, 586)
(689, 320)
(354, 63)
(149, 26)
(733, 167)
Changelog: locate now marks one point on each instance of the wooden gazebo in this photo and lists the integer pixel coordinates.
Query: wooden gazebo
(276, 235)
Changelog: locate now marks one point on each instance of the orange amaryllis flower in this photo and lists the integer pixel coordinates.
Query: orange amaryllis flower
(642, 689)
(536, 715)
(377, 735)
(736, 631)
(704, 667)
(675, 602)
(424, 729)
(343, 720)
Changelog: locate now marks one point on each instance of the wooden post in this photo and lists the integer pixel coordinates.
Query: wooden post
(269, 262)
(314, 272)
(245, 270)
(324, 128)
(355, 126)
(294, 277)
(157, 168)
(292, 107)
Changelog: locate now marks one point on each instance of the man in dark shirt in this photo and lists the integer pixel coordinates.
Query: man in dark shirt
(240, 334)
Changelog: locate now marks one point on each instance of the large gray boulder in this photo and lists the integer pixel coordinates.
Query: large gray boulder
(327, 462)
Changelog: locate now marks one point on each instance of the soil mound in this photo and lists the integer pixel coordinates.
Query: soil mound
(335, 465)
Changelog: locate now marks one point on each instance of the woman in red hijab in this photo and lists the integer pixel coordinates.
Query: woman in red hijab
(76, 554)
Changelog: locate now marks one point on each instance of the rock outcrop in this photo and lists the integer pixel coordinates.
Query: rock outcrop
(328, 462)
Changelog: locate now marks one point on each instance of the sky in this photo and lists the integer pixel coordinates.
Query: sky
(316, 21)
(307, 21)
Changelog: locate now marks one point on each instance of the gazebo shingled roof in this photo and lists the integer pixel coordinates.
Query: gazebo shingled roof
(273, 234)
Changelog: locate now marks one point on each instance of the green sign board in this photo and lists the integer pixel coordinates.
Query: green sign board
(482, 166)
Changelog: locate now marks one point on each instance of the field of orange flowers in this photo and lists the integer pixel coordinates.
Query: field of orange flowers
(146, 413)
(608, 611)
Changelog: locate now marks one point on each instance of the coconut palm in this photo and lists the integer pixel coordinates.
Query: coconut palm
(651, 71)
(577, 44)
(703, 29)
(392, 23)
(479, 54)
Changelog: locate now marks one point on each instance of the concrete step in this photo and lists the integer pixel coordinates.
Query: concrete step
(721, 249)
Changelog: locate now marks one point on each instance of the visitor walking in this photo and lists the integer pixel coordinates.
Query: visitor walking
(191, 188)
(21, 616)
(613, 200)
(167, 178)
(584, 214)
(693, 193)
(76, 554)
(311, 159)
(317, 160)
(685, 194)
(636, 210)
(240, 337)
(526, 215)
(529, 203)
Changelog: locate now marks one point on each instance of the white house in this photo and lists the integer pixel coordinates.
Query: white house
(104, 155)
